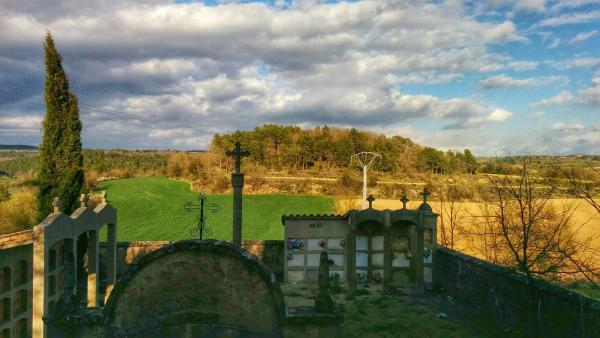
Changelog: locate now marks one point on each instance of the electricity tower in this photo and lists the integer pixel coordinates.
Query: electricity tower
(365, 160)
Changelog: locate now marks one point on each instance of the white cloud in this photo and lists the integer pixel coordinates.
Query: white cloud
(522, 65)
(568, 126)
(554, 43)
(530, 6)
(562, 4)
(575, 62)
(499, 115)
(583, 36)
(589, 96)
(571, 18)
(503, 81)
(20, 123)
(561, 98)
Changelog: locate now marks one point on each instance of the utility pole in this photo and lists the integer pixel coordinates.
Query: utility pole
(365, 160)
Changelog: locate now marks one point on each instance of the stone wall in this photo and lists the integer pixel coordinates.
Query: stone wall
(537, 308)
(270, 252)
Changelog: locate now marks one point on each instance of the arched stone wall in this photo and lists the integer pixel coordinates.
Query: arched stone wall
(196, 288)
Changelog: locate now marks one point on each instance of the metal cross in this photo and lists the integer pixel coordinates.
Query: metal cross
(370, 199)
(237, 155)
(404, 200)
(425, 193)
(201, 228)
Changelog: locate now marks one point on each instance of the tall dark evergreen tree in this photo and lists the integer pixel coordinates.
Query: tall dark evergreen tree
(61, 160)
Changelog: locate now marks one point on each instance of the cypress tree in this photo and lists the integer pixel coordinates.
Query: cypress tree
(61, 160)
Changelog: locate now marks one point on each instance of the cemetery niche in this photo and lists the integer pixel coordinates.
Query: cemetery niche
(390, 247)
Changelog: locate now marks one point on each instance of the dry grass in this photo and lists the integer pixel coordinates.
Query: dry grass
(585, 216)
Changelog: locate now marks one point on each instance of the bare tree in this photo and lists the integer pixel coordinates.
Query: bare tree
(582, 182)
(524, 228)
(453, 216)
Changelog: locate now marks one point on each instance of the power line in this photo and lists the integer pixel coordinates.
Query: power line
(147, 122)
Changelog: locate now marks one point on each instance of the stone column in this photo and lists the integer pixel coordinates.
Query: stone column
(387, 251)
(419, 259)
(93, 268)
(237, 181)
(111, 260)
(387, 258)
(38, 282)
(414, 250)
(350, 250)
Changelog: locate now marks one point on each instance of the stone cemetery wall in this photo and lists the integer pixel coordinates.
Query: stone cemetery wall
(541, 308)
(163, 295)
(270, 252)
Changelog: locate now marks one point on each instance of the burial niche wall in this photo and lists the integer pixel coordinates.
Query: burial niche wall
(199, 289)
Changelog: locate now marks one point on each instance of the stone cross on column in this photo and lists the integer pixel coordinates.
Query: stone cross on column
(237, 155)
(404, 200)
(425, 193)
(237, 182)
(370, 199)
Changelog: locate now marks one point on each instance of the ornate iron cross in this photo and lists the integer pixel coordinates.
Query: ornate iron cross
(201, 229)
(237, 155)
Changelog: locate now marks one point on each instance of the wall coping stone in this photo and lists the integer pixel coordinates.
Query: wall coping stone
(15, 239)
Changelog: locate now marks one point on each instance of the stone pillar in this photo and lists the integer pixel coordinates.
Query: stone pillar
(237, 181)
(388, 255)
(414, 252)
(111, 260)
(38, 282)
(387, 251)
(419, 257)
(350, 250)
(93, 268)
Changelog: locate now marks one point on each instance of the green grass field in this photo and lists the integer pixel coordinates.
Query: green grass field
(151, 208)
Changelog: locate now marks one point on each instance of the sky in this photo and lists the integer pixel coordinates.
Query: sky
(492, 76)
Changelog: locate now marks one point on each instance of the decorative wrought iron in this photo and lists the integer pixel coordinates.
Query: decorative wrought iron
(201, 229)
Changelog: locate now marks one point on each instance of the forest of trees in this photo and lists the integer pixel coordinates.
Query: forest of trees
(290, 147)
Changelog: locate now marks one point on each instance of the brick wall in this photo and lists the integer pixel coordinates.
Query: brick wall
(537, 308)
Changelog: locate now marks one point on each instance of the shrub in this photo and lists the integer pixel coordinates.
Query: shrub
(91, 179)
(18, 213)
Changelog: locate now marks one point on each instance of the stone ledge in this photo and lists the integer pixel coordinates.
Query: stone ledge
(16, 239)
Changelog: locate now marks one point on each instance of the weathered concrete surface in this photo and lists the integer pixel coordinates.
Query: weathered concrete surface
(203, 287)
(539, 308)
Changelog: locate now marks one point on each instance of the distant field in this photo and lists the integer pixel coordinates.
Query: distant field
(151, 208)
(584, 216)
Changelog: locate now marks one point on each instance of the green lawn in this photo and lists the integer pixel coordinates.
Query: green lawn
(151, 208)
